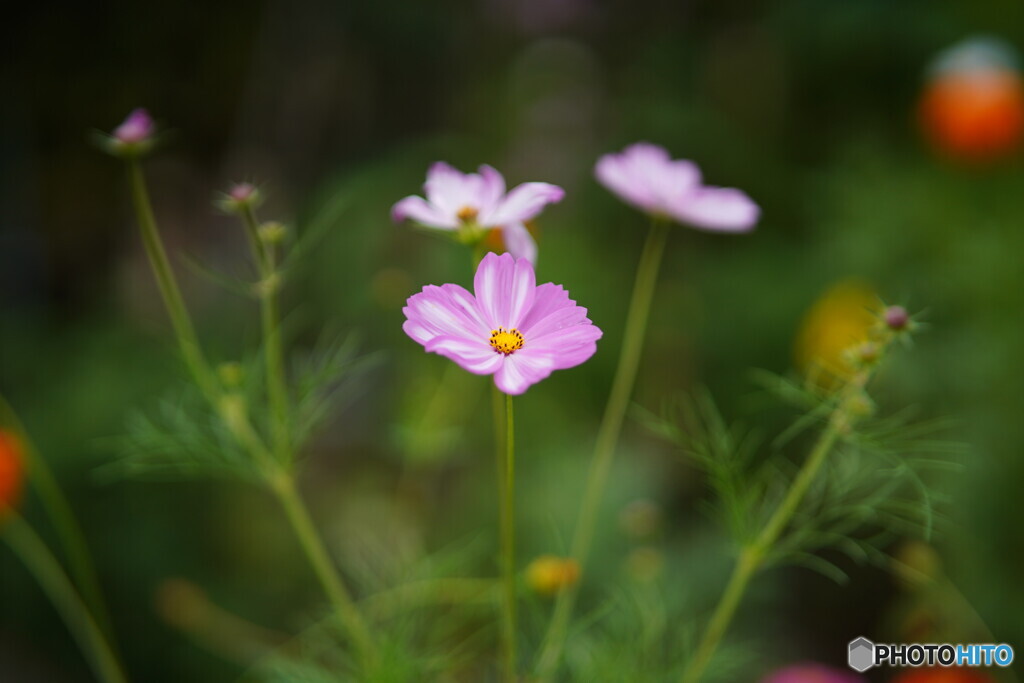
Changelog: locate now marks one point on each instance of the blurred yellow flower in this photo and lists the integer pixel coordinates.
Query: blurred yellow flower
(840, 319)
(548, 574)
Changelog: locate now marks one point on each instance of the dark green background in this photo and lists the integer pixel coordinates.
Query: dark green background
(808, 105)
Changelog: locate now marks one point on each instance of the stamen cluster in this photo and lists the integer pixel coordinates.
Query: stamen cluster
(506, 341)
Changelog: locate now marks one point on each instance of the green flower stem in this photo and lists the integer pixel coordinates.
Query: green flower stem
(187, 341)
(69, 533)
(273, 351)
(508, 544)
(752, 557)
(499, 422)
(313, 546)
(27, 545)
(233, 412)
(607, 437)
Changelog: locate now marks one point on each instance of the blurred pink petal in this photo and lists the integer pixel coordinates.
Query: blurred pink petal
(519, 242)
(812, 673)
(423, 212)
(716, 208)
(521, 204)
(645, 176)
(479, 202)
(137, 127)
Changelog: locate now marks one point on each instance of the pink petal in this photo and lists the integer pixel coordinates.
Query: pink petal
(448, 310)
(552, 310)
(492, 188)
(522, 203)
(717, 209)
(518, 372)
(566, 348)
(136, 127)
(612, 172)
(422, 211)
(519, 242)
(645, 176)
(451, 190)
(474, 355)
(504, 288)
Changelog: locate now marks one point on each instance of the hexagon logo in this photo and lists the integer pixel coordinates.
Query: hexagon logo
(862, 654)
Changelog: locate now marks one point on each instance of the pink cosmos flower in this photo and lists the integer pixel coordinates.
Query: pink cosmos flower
(511, 328)
(137, 127)
(478, 202)
(645, 176)
(812, 673)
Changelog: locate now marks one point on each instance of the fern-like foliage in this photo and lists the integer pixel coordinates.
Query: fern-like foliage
(876, 484)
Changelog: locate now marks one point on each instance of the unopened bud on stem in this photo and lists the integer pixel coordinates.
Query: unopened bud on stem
(133, 138)
(240, 197)
(896, 318)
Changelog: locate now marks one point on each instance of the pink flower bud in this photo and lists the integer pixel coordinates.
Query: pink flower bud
(137, 127)
(242, 192)
(897, 318)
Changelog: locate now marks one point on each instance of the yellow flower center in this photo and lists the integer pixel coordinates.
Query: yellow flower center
(506, 341)
(467, 214)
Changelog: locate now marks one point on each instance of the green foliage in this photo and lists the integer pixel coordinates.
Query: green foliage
(876, 486)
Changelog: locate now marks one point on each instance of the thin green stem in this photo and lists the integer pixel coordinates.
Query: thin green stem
(233, 411)
(607, 437)
(260, 253)
(27, 545)
(753, 556)
(313, 546)
(191, 352)
(746, 566)
(69, 532)
(500, 423)
(273, 350)
(508, 544)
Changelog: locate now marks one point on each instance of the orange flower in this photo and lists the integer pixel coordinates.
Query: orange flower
(973, 107)
(547, 574)
(952, 675)
(11, 470)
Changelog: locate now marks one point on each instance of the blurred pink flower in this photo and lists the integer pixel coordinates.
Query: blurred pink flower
(812, 673)
(457, 200)
(645, 176)
(512, 329)
(137, 127)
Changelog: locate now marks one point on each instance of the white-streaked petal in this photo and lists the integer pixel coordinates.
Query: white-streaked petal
(519, 242)
(504, 288)
(423, 212)
(522, 203)
(518, 372)
(475, 355)
(446, 310)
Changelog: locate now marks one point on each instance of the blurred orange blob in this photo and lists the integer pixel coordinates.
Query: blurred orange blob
(973, 107)
(11, 470)
(547, 574)
(974, 116)
(494, 240)
(953, 675)
(838, 321)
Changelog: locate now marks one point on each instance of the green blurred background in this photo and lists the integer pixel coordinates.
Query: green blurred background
(336, 110)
